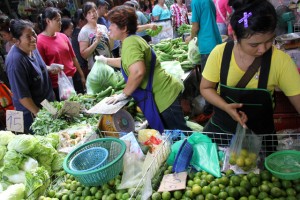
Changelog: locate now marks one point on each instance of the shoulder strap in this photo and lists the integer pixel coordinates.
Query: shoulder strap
(225, 62)
(265, 69)
(252, 69)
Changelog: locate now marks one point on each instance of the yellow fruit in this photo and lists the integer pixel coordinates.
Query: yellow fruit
(252, 155)
(138, 109)
(244, 153)
(240, 161)
(248, 161)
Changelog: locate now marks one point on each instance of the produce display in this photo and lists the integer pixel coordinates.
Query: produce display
(173, 49)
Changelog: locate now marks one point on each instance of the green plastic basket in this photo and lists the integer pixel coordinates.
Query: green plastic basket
(112, 166)
(284, 164)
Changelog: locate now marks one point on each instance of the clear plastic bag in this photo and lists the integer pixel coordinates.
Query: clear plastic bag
(244, 150)
(193, 51)
(65, 87)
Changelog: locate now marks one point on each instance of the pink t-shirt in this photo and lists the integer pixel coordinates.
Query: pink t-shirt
(57, 49)
(223, 9)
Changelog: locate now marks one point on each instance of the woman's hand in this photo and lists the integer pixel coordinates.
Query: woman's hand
(239, 116)
(98, 36)
(54, 69)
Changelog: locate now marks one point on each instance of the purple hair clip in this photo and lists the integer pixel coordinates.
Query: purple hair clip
(245, 19)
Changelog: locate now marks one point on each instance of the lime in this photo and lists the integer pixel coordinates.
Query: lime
(291, 198)
(209, 196)
(111, 196)
(224, 180)
(291, 192)
(72, 196)
(229, 172)
(244, 153)
(235, 180)
(86, 192)
(166, 195)
(276, 184)
(242, 191)
(250, 175)
(297, 187)
(262, 195)
(88, 198)
(264, 188)
(286, 184)
(215, 190)
(200, 197)
(275, 192)
(230, 198)
(93, 190)
(233, 192)
(213, 183)
(243, 198)
(177, 194)
(255, 181)
(124, 195)
(196, 189)
(251, 197)
(190, 183)
(254, 191)
(189, 193)
(266, 175)
(209, 178)
(51, 193)
(203, 183)
(223, 195)
(205, 190)
(197, 180)
(245, 184)
(240, 161)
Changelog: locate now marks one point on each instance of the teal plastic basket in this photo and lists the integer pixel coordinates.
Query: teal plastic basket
(284, 164)
(89, 159)
(110, 168)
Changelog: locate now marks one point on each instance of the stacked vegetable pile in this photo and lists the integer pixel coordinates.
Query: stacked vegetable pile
(171, 50)
(27, 163)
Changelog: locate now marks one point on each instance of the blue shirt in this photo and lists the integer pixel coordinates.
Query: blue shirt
(204, 13)
(141, 18)
(28, 77)
(162, 13)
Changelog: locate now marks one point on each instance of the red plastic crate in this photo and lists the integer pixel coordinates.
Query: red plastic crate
(286, 121)
(282, 103)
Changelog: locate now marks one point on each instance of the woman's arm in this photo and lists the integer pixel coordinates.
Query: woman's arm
(295, 101)
(208, 91)
(86, 50)
(143, 27)
(77, 65)
(30, 105)
(137, 72)
(194, 32)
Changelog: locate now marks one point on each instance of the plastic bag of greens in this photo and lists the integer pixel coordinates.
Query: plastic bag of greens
(100, 77)
(65, 87)
(193, 51)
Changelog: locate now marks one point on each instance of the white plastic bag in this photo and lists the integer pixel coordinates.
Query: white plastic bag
(193, 51)
(65, 87)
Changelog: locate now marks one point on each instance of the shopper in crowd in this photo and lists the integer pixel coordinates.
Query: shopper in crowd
(143, 74)
(102, 8)
(205, 28)
(179, 15)
(140, 17)
(27, 72)
(67, 27)
(5, 32)
(79, 21)
(223, 10)
(249, 101)
(55, 47)
(146, 8)
(93, 38)
(161, 11)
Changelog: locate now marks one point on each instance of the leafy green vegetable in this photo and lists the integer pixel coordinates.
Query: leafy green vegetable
(57, 163)
(3, 150)
(5, 137)
(22, 143)
(12, 160)
(36, 183)
(13, 192)
(15, 177)
(100, 77)
(29, 164)
(154, 33)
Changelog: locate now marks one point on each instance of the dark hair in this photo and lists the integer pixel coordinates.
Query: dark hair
(78, 15)
(65, 13)
(103, 3)
(48, 13)
(17, 27)
(65, 24)
(87, 6)
(124, 17)
(4, 23)
(263, 17)
(145, 7)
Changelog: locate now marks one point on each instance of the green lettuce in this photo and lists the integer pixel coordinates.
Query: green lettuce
(36, 183)
(22, 143)
(3, 151)
(13, 192)
(6, 137)
(57, 163)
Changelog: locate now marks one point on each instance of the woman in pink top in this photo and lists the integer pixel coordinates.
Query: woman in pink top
(179, 14)
(222, 11)
(55, 47)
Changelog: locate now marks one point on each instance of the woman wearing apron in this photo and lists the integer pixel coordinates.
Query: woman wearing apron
(248, 99)
(155, 91)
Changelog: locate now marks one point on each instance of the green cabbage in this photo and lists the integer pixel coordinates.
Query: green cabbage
(29, 164)
(12, 160)
(100, 77)
(36, 183)
(13, 192)
(22, 143)
(5, 137)
(53, 138)
(57, 163)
